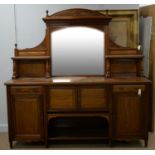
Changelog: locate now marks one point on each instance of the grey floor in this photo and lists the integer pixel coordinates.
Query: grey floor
(79, 145)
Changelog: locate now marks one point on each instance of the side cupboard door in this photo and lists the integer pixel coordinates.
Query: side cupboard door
(130, 103)
(27, 112)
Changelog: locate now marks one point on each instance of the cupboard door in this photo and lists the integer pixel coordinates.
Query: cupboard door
(94, 98)
(62, 99)
(27, 115)
(129, 111)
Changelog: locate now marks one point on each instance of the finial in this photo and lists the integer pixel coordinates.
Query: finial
(46, 12)
(107, 11)
(15, 45)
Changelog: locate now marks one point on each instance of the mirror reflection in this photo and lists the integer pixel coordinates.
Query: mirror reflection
(77, 51)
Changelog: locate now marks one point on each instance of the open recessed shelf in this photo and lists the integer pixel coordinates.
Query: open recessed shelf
(69, 128)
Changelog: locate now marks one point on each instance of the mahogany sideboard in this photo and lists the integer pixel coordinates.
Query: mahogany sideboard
(122, 102)
(114, 106)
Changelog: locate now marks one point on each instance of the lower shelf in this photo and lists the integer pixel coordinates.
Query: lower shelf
(78, 128)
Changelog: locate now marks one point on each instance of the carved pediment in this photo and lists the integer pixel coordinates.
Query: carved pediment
(77, 14)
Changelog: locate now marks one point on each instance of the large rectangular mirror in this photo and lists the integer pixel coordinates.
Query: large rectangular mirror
(77, 50)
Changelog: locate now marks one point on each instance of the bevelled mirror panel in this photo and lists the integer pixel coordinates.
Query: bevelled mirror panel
(77, 51)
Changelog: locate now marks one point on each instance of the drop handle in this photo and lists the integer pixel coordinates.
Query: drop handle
(139, 92)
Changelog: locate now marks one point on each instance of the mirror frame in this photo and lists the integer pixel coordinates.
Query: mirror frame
(77, 17)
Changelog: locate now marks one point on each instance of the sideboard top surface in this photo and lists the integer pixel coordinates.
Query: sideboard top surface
(77, 80)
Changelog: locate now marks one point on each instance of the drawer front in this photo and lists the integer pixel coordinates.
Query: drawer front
(129, 88)
(62, 99)
(93, 98)
(26, 90)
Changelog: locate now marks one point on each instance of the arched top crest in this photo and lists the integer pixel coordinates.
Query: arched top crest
(75, 16)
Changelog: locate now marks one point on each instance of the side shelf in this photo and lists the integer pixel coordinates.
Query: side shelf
(31, 66)
(124, 62)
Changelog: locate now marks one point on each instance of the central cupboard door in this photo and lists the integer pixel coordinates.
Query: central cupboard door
(93, 98)
(62, 98)
(81, 98)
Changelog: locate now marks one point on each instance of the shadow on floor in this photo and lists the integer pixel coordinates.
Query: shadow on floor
(81, 145)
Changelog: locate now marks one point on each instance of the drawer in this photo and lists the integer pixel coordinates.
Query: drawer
(93, 98)
(63, 99)
(26, 90)
(128, 88)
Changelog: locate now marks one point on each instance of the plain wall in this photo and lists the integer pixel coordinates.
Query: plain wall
(30, 31)
(31, 28)
(7, 40)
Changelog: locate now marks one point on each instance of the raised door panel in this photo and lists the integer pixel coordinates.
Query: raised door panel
(62, 99)
(129, 111)
(27, 116)
(93, 98)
